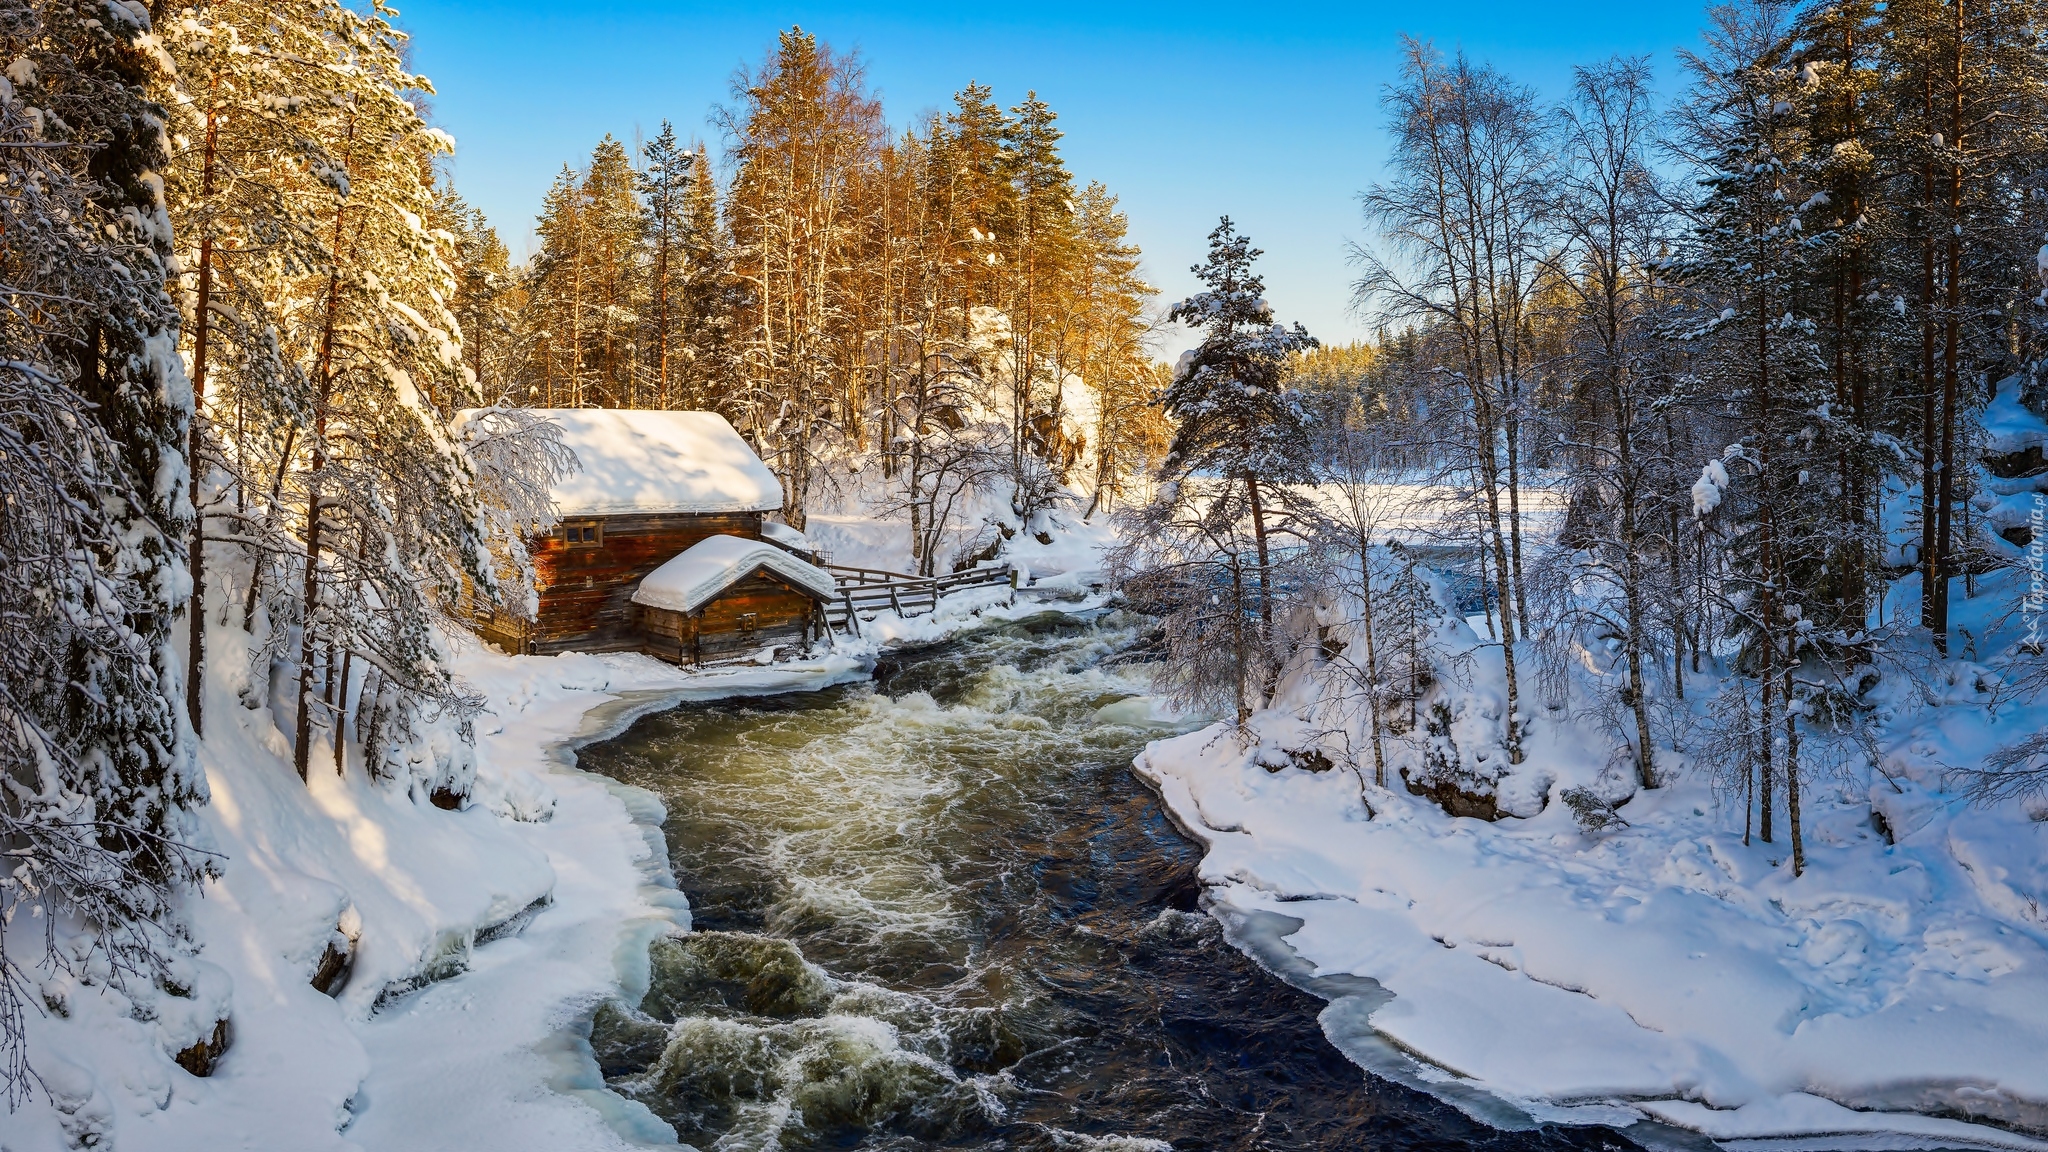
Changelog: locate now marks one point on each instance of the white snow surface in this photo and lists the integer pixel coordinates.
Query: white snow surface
(2009, 426)
(633, 460)
(784, 535)
(1662, 970)
(713, 564)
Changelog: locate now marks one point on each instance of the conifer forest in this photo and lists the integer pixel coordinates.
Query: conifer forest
(801, 644)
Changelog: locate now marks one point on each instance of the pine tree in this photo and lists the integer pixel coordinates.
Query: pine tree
(1233, 418)
(613, 235)
(1962, 88)
(387, 519)
(555, 302)
(1037, 250)
(488, 295)
(246, 222)
(937, 454)
(710, 299)
(982, 199)
(1838, 55)
(1106, 304)
(805, 131)
(666, 183)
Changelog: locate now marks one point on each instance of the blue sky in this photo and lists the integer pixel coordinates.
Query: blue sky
(1268, 112)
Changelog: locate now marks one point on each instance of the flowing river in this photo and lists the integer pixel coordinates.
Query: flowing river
(939, 912)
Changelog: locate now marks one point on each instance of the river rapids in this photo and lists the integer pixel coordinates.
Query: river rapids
(938, 911)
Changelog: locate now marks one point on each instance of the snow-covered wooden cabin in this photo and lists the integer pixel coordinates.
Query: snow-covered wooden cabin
(664, 546)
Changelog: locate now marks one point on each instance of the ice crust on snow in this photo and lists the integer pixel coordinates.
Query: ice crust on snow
(643, 461)
(714, 563)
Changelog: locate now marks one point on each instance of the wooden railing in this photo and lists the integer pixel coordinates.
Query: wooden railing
(872, 590)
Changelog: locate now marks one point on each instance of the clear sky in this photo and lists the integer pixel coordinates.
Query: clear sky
(1266, 111)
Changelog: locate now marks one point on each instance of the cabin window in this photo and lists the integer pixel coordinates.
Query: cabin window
(583, 533)
(750, 623)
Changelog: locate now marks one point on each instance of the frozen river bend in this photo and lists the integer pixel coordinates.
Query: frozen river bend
(939, 911)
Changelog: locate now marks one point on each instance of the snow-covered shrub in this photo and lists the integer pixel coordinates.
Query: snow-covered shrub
(1591, 811)
(1463, 762)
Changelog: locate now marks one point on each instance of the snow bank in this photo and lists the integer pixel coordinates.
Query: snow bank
(786, 536)
(643, 461)
(713, 564)
(1527, 970)
(2009, 426)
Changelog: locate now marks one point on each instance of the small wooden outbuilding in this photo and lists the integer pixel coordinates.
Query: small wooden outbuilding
(676, 493)
(725, 596)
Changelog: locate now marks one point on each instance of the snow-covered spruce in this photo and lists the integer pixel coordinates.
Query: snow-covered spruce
(97, 780)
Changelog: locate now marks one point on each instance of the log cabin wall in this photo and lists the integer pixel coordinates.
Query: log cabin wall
(586, 588)
(505, 631)
(754, 612)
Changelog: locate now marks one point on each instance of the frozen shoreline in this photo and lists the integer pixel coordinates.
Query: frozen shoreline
(458, 1063)
(1427, 988)
(423, 1052)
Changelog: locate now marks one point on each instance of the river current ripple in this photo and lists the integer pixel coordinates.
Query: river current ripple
(939, 912)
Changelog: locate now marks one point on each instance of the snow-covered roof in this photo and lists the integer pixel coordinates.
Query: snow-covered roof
(640, 461)
(714, 564)
(786, 536)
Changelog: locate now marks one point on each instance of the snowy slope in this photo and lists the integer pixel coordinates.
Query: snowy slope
(1662, 970)
(560, 865)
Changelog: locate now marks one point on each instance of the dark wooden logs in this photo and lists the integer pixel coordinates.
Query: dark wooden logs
(586, 590)
(779, 612)
(589, 568)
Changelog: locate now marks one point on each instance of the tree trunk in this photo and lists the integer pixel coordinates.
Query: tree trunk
(1632, 592)
(1931, 575)
(661, 397)
(1792, 776)
(1237, 630)
(195, 609)
(302, 741)
(1251, 487)
(1372, 659)
(1951, 334)
(1505, 584)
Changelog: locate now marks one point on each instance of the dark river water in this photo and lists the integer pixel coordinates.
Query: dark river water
(940, 912)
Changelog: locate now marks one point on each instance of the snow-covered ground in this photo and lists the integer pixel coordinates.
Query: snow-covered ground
(1660, 972)
(1661, 975)
(481, 936)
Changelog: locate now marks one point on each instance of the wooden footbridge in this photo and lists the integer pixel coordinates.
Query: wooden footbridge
(869, 591)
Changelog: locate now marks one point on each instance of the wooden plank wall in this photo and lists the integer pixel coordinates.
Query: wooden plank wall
(783, 614)
(586, 598)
